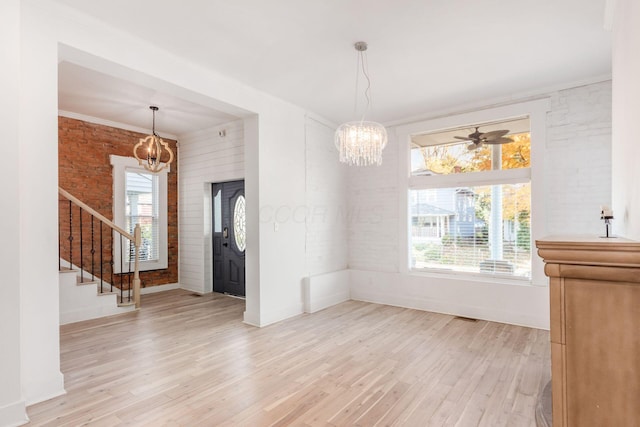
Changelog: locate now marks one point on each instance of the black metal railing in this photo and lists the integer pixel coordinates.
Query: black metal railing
(75, 246)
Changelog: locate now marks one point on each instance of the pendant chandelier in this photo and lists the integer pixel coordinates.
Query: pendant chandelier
(154, 148)
(360, 143)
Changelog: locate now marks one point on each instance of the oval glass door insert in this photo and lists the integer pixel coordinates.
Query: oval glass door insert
(238, 224)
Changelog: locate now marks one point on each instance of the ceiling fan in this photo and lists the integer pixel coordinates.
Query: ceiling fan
(478, 138)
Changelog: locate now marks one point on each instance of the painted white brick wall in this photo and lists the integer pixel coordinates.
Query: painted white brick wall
(577, 167)
(326, 202)
(204, 158)
(578, 159)
(373, 213)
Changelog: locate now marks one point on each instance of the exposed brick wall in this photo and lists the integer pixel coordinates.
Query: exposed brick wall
(84, 170)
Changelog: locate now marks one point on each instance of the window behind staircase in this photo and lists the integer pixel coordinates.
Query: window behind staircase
(142, 207)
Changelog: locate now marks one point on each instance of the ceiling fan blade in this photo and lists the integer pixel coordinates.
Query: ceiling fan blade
(499, 141)
(462, 138)
(494, 134)
(474, 146)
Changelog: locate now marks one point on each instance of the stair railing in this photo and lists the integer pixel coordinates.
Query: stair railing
(75, 230)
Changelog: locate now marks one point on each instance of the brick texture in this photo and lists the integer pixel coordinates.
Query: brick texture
(84, 171)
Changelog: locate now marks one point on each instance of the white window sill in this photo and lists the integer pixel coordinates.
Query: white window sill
(471, 277)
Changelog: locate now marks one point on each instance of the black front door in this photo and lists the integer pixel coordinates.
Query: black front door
(229, 237)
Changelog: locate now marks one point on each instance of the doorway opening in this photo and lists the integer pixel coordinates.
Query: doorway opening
(229, 237)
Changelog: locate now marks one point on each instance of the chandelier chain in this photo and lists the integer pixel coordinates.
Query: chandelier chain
(367, 91)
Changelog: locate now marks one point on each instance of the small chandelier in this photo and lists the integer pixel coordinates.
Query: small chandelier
(360, 143)
(154, 148)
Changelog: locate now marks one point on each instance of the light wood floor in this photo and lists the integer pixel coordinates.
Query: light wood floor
(187, 360)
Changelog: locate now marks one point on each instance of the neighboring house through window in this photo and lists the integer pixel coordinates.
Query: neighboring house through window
(140, 197)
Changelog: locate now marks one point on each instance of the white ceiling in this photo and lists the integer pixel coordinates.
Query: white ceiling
(424, 56)
(97, 95)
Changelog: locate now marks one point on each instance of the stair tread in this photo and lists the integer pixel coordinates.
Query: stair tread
(106, 293)
(126, 303)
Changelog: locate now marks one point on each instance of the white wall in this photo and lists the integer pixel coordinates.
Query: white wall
(578, 159)
(626, 111)
(11, 399)
(574, 181)
(38, 175)
(275, 140)
(281, 181)
(204, 158)
(326, 202)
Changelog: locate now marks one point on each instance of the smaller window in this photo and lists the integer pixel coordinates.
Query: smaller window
(142, 207)
(140, 197)
(442, 153)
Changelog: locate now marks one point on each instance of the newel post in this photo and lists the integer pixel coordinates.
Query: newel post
(137, 236)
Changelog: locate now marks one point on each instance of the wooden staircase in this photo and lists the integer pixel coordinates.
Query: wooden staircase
(82, 300)
(84, 291)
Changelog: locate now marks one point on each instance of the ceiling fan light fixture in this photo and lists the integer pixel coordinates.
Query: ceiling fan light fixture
(361, 142)
(155, 146)
(477, 138)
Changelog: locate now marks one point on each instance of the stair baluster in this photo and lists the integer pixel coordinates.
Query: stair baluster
(93, 252)
(81, 253)
(101, 271)
(70, 235)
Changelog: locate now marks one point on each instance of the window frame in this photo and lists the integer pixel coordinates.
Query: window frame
(120, 166)
(536, 111)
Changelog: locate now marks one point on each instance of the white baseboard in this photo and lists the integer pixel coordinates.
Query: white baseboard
(13, 414)
(46, 389)
(159, 288)
(250, 320)
(522, 305)
(280, 315)
(198, 291)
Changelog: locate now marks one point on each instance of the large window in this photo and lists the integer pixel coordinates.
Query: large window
(470, 203)
(140, 197)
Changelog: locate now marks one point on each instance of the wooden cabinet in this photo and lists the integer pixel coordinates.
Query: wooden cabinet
(594, 294)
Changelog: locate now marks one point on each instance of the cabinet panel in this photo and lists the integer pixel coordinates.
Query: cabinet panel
(558, 392)
(602, 364)
(556, 310)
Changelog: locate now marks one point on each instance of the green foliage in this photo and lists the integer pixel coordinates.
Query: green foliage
(427, 251)
(448, 240)
(523, 236)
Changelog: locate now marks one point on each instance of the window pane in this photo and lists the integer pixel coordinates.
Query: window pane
(141, 207)
(482, 229)
(444, 152)
(239, 219)
(217, 212)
